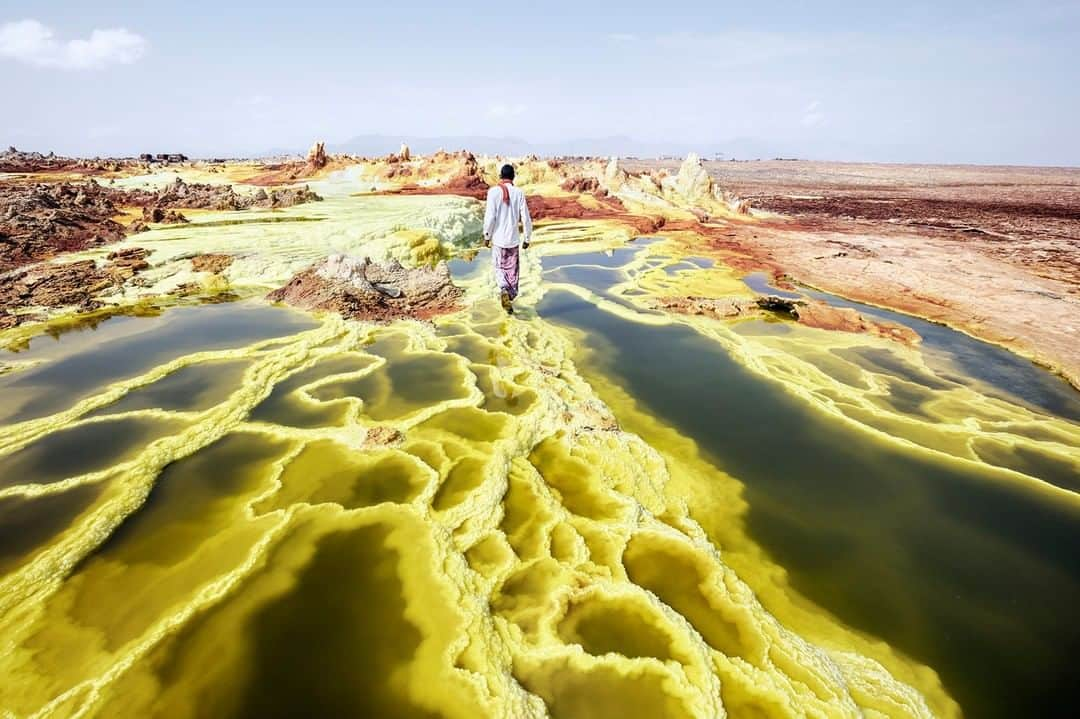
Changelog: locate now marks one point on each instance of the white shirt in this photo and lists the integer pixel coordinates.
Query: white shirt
(501, 219)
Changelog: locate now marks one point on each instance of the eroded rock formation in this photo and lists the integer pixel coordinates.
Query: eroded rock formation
(14, 160)
(316, 157)
(581, 184)
(211, 262)
(693, 181)
(811, 313)
(317, 162)
(162, 216)
(357, 288)
(468, 182)
(40, 220)
(614, 176)
(71, 284)
(208, 196)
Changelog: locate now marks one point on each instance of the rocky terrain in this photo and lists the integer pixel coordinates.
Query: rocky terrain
(807, 312)
(17, 161)
(71, 284)
(213, 262)
(468, 180)
(183, 195)
(14, 160)
(992, 251)
(39, 220)
(316, 163)
(357, 288)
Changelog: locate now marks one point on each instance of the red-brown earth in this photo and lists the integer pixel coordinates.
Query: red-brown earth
(993, 251)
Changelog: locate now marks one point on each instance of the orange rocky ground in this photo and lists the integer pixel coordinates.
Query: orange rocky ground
(993, 251)
(316, 164)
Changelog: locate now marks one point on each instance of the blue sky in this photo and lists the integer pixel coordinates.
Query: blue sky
(986, 82)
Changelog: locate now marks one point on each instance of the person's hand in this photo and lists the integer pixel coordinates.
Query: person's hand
(487, 242)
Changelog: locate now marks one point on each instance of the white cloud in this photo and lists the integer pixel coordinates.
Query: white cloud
(501, 110)
(33, 43)
(812, 114)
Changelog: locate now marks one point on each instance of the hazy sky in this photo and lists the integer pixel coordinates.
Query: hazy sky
(898, 81)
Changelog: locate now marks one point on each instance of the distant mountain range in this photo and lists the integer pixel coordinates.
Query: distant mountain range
(620, 145)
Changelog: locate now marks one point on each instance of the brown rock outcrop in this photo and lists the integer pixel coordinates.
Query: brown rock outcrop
(72, 284)
(287, 197)
(40, 220)
(581, 184)
(846, 319)
(127, 261)
(382, 436)
(211, 262)
(317, 162)
(811, 313)
(357, 288)
(162, 216)
(196, 195)
(467, 183)
(14, 160)
(316, 157)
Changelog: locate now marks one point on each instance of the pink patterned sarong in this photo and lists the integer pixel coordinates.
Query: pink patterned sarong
(505, 260)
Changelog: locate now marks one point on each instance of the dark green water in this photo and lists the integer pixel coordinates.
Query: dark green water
(89, 447)
(979, 579)
(962, 358)
(127, 346)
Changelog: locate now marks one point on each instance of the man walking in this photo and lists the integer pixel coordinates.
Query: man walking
(505, 209)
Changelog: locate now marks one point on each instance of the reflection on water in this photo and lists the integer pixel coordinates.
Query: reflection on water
(960, 357)
(28, 523)
(586, 276)
(611, 259)
(470, 264)
(688, 264)
(89, 447)
(759, 282)
(288, 403)
(977, 578)
(188, 389)
(126, 346)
